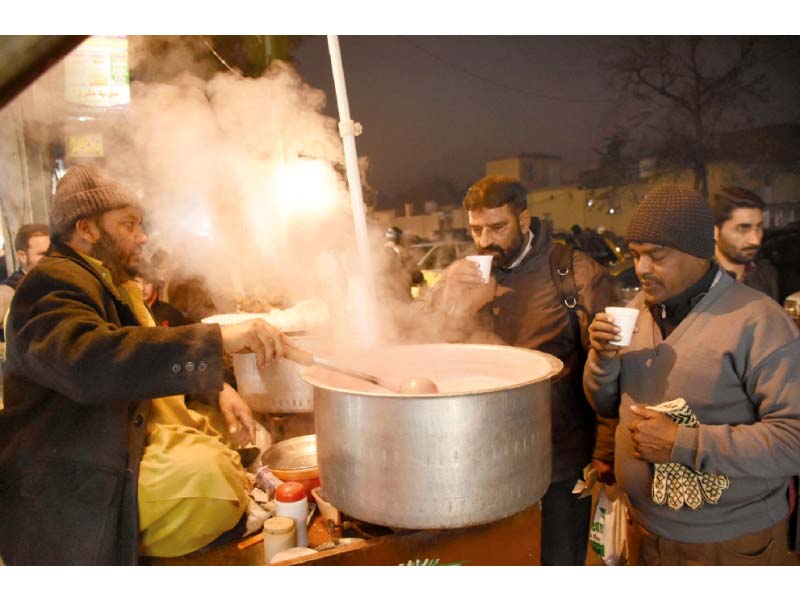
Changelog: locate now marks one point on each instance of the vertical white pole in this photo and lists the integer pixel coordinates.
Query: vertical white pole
(347, 129)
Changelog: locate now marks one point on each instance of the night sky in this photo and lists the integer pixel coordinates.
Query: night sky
(444, 105)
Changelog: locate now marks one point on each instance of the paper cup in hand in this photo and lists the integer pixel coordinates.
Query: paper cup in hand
(484, 262)
(625, 319)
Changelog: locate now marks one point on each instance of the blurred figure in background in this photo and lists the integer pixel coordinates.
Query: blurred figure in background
(738, 231)
(31, 243)
(400, 264)
(165, 314)
(190, 295)
(393, 237)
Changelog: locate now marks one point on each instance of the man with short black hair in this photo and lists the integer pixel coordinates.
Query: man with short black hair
(31, 244)
(524, 305)
(707, 394)
(738, 231)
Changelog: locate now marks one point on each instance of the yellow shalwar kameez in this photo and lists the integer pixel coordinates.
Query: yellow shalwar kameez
(191, 484)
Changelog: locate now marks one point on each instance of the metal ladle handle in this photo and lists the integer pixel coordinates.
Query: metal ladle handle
(306, 358)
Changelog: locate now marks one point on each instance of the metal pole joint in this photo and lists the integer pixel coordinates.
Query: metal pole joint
(350, 128)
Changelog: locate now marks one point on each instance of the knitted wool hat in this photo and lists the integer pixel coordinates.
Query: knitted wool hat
(674, 216)
(85, 191)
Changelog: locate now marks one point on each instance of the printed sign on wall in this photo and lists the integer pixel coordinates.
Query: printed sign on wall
(96, 73)
(89, 145)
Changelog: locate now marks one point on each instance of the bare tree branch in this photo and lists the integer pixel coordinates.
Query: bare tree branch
(695, 87)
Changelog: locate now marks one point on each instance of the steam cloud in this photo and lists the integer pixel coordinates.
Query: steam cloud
(243, 184)
(239, 180)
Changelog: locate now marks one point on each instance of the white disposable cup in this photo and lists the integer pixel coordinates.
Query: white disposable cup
(484, 262)
(625, 319)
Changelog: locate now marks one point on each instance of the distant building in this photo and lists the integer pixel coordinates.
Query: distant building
(771, 144)
(430, 226)
(534, 170)
(763, 159)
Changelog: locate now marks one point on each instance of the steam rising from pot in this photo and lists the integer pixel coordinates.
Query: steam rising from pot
(242, 180)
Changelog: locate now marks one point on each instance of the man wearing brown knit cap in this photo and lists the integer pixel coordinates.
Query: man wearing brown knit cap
(707, 394)
(99, 456)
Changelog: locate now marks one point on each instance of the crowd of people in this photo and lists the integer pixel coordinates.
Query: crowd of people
(697, 420)
(708, 338)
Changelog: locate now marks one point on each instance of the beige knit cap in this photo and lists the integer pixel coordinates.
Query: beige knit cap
(675, 216)
(85, 191)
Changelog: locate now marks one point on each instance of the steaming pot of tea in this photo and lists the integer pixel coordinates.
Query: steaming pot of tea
(476, 451)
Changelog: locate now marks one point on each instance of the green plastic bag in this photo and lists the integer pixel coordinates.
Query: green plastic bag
(608, 534)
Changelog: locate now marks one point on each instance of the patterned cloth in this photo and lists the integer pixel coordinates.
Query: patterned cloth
(677, 484)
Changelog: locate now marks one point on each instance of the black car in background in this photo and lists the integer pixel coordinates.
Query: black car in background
(782, 248)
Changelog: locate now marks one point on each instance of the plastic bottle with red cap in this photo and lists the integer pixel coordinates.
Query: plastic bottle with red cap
(291, 501)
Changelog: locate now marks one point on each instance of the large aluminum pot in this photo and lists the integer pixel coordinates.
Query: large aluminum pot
(474, 453)
(278, 388)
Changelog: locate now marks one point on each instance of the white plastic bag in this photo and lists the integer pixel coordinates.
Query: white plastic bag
(608, 535)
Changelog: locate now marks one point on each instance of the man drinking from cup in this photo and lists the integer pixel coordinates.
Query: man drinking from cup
(707, 394)
(522, 305)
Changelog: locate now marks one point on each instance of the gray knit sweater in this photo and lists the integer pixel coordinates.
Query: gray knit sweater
(735, 359)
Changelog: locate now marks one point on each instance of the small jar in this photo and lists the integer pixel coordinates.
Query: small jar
(279, 535)
(291, 501)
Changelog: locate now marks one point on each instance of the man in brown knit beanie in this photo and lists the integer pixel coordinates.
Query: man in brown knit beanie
(100, 460)
(707, 395)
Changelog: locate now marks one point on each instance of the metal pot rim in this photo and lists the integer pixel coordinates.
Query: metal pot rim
(556, 366)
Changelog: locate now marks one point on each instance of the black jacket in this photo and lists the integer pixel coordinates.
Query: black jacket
(528, 312)
(532, 315)
(78, 380)
(762, 276)
(167, 315)
(13, 280)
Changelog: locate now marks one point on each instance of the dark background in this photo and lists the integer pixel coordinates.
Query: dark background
(439, 107)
